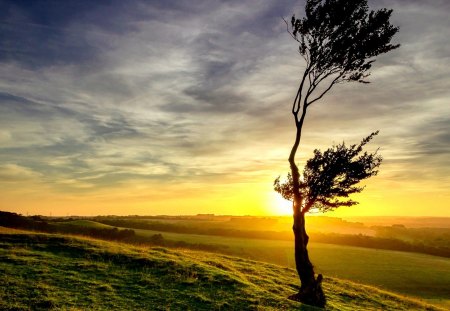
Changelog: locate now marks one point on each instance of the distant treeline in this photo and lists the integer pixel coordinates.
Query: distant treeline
(128, 235)
(381, 243)
(194, 229)
(332, 238)
(37, 223)
(438, 237)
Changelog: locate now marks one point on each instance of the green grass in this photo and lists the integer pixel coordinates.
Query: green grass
(423, 276)
(48, 271)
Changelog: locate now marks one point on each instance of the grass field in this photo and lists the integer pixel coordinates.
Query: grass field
(423, 276)
(413, 274)
(48, 271)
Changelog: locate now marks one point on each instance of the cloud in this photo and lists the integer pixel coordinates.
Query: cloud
(200, 90)
(12, 173)
(54, 33)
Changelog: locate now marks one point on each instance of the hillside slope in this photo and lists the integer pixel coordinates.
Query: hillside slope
(47, 271)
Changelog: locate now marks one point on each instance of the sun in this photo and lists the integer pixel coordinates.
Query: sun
(279, 205)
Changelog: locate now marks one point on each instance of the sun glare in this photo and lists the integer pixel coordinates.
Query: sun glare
(279, 205)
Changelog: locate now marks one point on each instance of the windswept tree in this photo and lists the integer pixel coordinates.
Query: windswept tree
(339, 40)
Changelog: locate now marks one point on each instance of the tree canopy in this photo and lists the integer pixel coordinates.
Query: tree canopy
(342, 37)
(330, 177)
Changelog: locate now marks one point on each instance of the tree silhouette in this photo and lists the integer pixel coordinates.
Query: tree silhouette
(338, 39)
(329, 178)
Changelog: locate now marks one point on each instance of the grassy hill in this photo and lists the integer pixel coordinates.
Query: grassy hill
(415, 275)
(49, 271)
(411, 274)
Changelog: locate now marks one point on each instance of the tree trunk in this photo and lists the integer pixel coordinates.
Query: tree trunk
(311, 288)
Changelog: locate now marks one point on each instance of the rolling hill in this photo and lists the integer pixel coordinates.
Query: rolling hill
(52, 271)
(412, 274)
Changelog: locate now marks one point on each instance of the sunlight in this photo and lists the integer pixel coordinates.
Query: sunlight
(279, 205)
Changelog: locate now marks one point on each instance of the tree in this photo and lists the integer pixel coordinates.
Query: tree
(338, 39)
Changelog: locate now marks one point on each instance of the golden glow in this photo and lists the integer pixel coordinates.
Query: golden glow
(379, 198)
(280, 205)
(242, 195)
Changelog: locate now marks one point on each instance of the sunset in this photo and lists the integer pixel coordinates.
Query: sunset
(115, 110)
(184, 109)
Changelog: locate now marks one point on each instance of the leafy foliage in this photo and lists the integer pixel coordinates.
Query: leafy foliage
(341, 37)
(330, 177)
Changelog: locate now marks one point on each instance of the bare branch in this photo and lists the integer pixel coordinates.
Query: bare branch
(326, 75)
(287, 29)
(298, 97)
(311, 87)
(295, 105)
(325, 91)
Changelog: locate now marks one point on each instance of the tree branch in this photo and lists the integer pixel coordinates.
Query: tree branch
(317, 81)
(290, 33)
(308, 206)
(298, 97)
(326, 90)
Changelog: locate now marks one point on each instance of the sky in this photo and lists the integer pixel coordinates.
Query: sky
(183, 107)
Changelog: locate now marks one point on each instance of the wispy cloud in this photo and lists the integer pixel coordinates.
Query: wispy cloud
(200, 92)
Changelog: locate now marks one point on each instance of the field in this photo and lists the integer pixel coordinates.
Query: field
(407, 273)
(418, 275)
(52, 271)
(427, 236)
(423, 276)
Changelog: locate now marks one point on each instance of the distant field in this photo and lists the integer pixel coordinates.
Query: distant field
(425, 240)
(49, 271)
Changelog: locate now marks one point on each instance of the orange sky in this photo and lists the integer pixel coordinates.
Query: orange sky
(381, 197)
